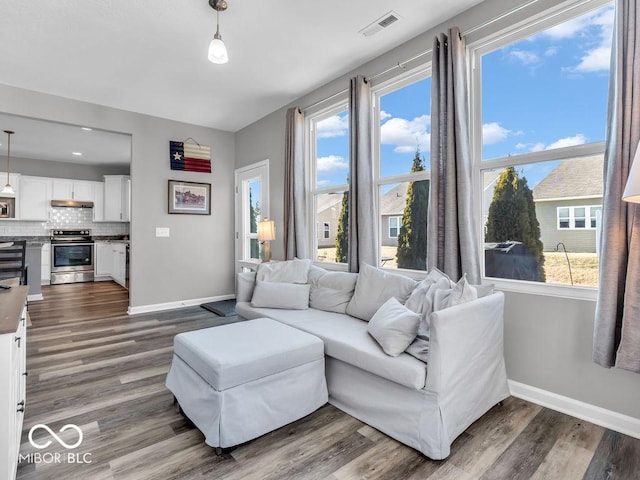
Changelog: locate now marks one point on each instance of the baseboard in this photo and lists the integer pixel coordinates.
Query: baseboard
(35, 297)
(585, 411)
(158, 307)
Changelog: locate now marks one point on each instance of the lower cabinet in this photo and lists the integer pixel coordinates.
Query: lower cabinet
(12, 396)
(45, 264)
(111, 261)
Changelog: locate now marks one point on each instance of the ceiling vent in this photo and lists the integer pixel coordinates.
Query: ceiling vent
(381, 23)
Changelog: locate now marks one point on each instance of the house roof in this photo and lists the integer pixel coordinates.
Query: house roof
(574, 177)
(394, 201)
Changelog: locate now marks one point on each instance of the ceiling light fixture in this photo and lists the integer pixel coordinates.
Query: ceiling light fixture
(217, 49)
(77, 154)
(8, 189)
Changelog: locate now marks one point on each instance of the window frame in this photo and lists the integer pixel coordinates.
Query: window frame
(476, 50)
(398, 82)
(313, 191)
(397, 227)
(326, 230)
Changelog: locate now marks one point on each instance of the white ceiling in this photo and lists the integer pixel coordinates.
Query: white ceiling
(150, 56)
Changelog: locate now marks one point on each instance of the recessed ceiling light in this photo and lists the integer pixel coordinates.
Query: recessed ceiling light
(87, 129)
(77, 154)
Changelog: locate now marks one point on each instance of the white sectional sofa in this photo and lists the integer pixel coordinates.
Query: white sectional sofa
(425, 399)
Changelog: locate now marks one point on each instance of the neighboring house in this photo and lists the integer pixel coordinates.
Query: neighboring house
(569, 203)
(392, 206)
(328, 208)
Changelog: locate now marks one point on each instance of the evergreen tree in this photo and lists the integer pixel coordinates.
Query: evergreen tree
(342, 237)
(512, 216)
(412, 239)
(253, 226)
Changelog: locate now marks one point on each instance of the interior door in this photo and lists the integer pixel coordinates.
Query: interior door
(252, 205)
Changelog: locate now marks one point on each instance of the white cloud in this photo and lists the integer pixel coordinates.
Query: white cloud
(331, 163)
(384, 115)
(494, 133)
(334, 126)
(524, 56)
(406, 135)
(551, 51)
(595, 60)
(578, 139)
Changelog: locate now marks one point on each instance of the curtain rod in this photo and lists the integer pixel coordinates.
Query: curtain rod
(402, 64)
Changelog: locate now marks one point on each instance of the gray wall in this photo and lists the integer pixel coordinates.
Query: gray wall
(197, 260)
(548, 339)
(75, 171)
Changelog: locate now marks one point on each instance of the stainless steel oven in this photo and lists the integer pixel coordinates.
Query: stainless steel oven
(72, 256)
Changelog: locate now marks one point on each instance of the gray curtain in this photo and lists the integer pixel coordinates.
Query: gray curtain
(296, 238)
(363, 238)
(616, 337)
(452, 244)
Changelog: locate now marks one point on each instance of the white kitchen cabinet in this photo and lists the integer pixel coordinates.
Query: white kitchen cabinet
(119, 269)
(12, 377)
(35, 198)
(79, 190)
(104, 259)
(117, 198)
(45, 264)
(98, 202)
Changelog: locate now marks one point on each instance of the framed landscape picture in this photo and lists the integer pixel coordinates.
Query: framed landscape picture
(189, 197)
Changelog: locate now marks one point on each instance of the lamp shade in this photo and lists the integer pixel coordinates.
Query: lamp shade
(266, 230)
(218, 51)
(632, 189)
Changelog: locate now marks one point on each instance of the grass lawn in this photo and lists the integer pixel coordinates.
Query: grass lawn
(584, 266)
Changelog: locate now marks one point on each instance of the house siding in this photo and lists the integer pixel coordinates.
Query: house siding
(574, 240)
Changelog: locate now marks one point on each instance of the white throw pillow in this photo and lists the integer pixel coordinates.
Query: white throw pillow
(462, 292)
(394, 327)
(291, 271)
(290, 296)
(419, 348)
(332, 291)
(374, 287)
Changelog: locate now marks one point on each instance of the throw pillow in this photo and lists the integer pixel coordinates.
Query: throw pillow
(291, 271)
(374, 287)
(419, 348)
(484, 290)
(462, 292)
(290, 296)
(332, 291)
(394, 327)
(416, 299)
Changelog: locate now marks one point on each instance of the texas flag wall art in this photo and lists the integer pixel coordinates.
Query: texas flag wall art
(190, 157)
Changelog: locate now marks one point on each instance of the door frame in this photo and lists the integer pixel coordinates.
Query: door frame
(242, 176)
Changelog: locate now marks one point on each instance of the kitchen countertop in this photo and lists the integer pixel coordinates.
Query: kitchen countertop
(11, 304)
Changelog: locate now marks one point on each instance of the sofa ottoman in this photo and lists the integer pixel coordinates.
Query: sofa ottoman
(238, 381)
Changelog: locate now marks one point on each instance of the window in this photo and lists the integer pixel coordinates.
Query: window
(394, 226)
(252, 200)
(576, 217)
(329, 153)
(539, 107)
(402, 150)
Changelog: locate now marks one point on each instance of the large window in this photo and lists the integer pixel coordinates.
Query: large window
(402, 148)
(540, 106)
(329, 149)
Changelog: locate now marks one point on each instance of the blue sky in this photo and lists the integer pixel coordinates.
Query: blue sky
(541, 93)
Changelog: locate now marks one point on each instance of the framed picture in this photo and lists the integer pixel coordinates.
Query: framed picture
(189, 197)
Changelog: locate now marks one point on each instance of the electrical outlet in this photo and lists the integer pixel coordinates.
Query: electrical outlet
(163, 232)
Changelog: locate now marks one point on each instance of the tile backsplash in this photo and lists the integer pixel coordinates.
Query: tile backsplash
(63, 218)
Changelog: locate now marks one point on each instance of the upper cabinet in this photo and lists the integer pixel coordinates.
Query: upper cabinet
(80, 190)
(35, 198)
(117, 198)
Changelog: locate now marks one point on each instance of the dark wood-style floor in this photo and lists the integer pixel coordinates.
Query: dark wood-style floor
(93, 366)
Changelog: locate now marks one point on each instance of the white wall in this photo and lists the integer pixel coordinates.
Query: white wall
(197, 260)
(548, 340)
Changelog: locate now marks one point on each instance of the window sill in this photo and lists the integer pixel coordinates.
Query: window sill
(545, 289)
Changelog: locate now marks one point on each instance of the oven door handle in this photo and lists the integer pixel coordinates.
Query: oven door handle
(72, 244)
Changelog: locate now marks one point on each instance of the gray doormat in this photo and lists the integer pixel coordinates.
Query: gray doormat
(223, 308)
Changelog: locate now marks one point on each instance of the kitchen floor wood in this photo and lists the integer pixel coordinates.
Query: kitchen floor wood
(92, 365)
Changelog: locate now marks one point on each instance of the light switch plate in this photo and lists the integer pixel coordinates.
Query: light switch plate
(163, 232)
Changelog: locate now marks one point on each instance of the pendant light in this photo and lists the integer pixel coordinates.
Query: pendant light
(8, 189)
(217, 49)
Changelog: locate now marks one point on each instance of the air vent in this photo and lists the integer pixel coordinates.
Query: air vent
(383, 22)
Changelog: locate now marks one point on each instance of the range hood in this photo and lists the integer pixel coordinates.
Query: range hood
(71, 204)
